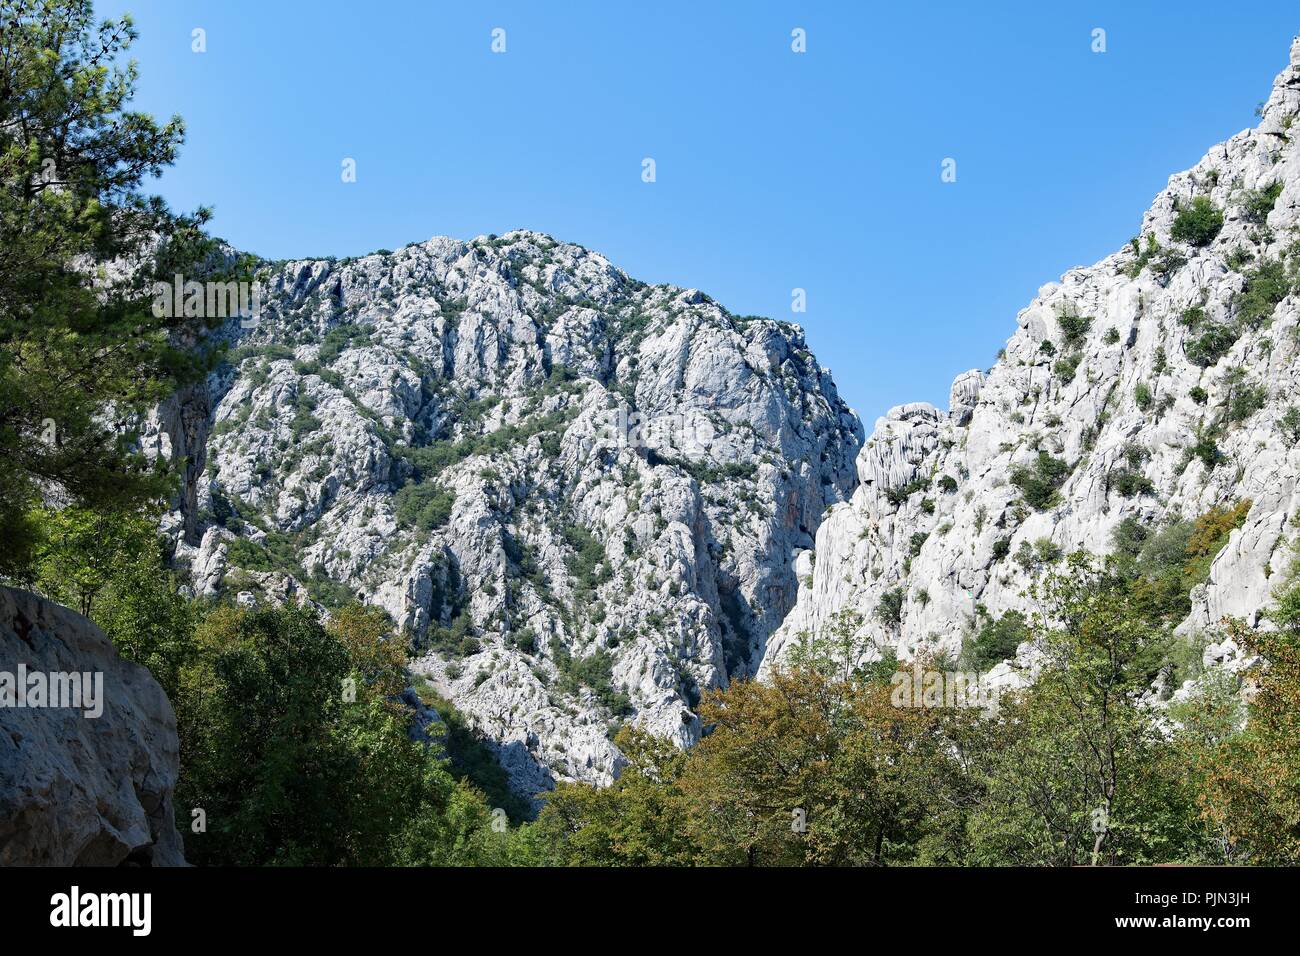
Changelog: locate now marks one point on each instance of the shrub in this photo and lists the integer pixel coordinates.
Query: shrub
(1001, 548)
(890, 609)
(916, 542)
(1198, 223)
(1142, 395)
(339, 339)
(1266, 286)
(1193, 317)
(1131, 484)
(1289, 425)
(1074, 328)
(1199, 395)
(1039, 484)
(1067, 365)
(1256, 204)
(948, 484)
(589, 554)
(996, 641)
(1143, 256)
(1246, 401)
(1237, 258)
(1111, 336)
(1167, 263)
(1206, 447)
(898, 496)
(594, 671)
(424, 506)
(1212, 345)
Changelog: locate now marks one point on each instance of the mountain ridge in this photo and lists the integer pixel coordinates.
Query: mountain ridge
(1130, 389)
(577, 493)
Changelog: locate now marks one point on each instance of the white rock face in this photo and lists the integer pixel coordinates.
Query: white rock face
(78, 790)
(617, 477)
(936, 515)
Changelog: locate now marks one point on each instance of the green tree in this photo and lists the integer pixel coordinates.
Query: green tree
(639, 820)
(1252, 792)
(80, 349)
(110, 566)
(1075, 775)
(296, 758)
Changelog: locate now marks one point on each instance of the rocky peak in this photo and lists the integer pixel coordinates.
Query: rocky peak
(579, 494)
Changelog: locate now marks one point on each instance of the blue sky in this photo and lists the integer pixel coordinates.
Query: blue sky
(775, 170)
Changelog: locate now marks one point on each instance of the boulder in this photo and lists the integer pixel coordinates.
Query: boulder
(89, 783)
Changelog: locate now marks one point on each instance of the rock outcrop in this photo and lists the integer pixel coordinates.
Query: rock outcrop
(1160, 382)
(80, 788)
(579, 494)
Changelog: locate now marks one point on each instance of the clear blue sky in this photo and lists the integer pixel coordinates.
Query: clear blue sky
(775, 170)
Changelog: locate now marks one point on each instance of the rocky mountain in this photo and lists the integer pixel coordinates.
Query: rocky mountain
(579, 495)
(1157, 385)
(84, 785)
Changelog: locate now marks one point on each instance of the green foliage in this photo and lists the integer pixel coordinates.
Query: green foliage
(1080, 734)
(430, 460)
(1211, 345)
(898, 496)
(1289, 425)
(1198, 223)
(1266, 286)
(289, 766)
(290, 771)
(1039, 484)
(1256, 204)
(890, 609)
(1245, 401)
(595, 671)
(423, 506)
(1142, 395)
(587, 566)
(1067, 366)
(639, 820)
(110, 567)
(995, 641)
(1206, 447)
(303, 422)
(471, 758)
(75, 339)
(1252, 777)
(1142, 255)
(1162, 565)
(1074, 328)
(1131, 484)
(341, 338)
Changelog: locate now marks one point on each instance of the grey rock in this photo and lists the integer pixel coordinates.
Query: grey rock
(696, 451)
(78, 790)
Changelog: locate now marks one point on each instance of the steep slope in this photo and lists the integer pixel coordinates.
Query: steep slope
(1159, 383)
(579, 494)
